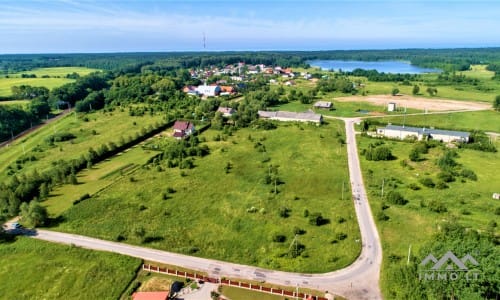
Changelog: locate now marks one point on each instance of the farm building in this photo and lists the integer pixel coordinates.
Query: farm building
(401, 132)
(323, 104)
(183, 129)
(391, 106)
(226, 111)
(291, 116)
(208, 90)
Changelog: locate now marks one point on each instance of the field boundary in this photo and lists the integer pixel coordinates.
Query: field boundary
(230, 282)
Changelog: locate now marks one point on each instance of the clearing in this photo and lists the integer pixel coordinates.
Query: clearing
(421, 103)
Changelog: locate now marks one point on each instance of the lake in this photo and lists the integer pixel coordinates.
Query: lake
(381, 66)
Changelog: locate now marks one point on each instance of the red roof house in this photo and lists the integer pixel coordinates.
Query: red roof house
(183, 129)
(150, 295)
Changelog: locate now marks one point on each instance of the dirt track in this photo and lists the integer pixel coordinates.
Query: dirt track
(434, 104)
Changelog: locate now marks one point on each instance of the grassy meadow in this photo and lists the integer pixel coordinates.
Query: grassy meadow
(20, 103)
(467, 201)
(91, 130)
(100, 176)
(57, 77)
(488, 120)
(34, 269)
(234, 216)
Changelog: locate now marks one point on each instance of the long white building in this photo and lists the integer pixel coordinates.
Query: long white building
(288, 116)
(402, 132)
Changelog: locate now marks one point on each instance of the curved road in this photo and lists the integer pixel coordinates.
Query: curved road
(360, 280)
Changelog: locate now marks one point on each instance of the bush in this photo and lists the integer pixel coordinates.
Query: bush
(379, 153)
(381, 216)
(299, 231)
(414, 186)
(469, 174)
(284, 212)
(394, 197)
(441, 185)
(341, 236)
(279, 238)
(317, 219)
(437, 206)
(426, 181)
(446, 176)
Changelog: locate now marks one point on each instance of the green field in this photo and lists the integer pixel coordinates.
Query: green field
(479, 120)
(242, 294)
(57, 71)
(91, 130)
(469, 202)
(57, 78)
(234, 216)
(19, 103)
(33, 269)
(97, 178)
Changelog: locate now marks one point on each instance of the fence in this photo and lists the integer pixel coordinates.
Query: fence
(230, 282)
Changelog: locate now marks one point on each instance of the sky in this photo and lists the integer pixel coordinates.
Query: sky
(68, 26)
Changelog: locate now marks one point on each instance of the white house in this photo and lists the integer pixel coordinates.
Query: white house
(226, 111)
(402, 132)
(208, 90)
(323, 104)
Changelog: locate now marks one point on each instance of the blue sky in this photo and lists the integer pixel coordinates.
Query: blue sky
(48, 26)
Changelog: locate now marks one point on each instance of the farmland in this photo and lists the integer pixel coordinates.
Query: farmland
(56, 77)
(212, 208)
(466, 201)
(33, 269)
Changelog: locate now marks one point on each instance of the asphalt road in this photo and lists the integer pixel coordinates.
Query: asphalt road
(360, 280)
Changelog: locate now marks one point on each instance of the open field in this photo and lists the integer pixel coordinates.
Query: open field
(487, 120)
(467, 201)
(97, 178)
(7, 83)
(57, 78)
(92, 133)
(21, 103)
(419, 103)
(234, 216)
(34, 269)
(57, 71)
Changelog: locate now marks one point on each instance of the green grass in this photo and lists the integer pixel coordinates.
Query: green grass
(57, 78)
(20, 103)
(34, 269)
(480, 120)
(207, 215)
(57, 71)
(413, 224)
(7, 83)
(34, 144)
(97, 178)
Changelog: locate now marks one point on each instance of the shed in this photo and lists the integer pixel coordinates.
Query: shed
(391, 106)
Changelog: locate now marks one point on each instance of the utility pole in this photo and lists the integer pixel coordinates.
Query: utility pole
(409, 251)
(343, 190)
(382, 193)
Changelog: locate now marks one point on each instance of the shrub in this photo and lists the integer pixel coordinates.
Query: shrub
(469, 174)
(341, 236)
(317, 219)
(279, 238)
(379, 153)
(437, 206)
(381, 216)
(426, 181)
(414, 186)
(299, 231)
(446, 176)
(441, 185)
(394, 197)
(284, 212)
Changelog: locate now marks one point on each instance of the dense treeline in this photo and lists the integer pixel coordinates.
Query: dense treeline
(374, 75)
(446, 59)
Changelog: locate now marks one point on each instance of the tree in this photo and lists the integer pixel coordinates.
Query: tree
(395, 91)
(416, 90)
(432, 91)
(496, 103)
(34, 214)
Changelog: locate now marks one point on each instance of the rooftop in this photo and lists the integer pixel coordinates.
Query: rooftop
(428, 130)
(150, 295)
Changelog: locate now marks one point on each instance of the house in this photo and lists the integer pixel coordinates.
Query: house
(323, 105)
(227, 89)
(208, 90)
(287, 116)
(189, 89)
(496, 196)
(150, 295)
(183, 129)
(402, 132)
(226, 111)
(290, 83)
